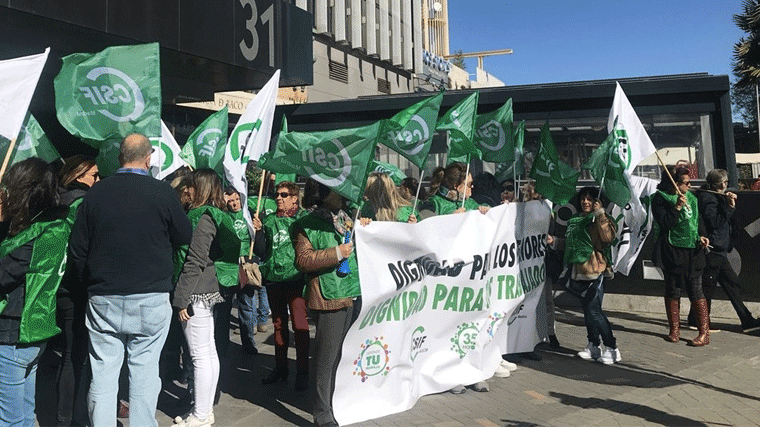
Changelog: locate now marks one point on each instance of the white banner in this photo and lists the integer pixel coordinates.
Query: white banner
(442, 300)
(18, 80)
(165, 158)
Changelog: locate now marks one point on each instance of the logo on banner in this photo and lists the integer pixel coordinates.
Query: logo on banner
(340, 162)
(408, 139)
(516, 314)
(373, 359)
(106, 95)
(418, 342)
(463, 340)
(493, 320)
(242, 133)
(492, 135)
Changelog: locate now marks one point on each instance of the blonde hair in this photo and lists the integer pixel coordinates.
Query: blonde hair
(383, 197)
(208, 189)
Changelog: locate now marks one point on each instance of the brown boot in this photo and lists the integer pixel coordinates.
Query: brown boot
(673, 310)
(703, 323)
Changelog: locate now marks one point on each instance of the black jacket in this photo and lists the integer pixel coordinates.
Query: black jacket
(125, 232)
(718, 218)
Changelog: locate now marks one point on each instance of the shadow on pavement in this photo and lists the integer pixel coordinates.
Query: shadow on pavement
(644, 412)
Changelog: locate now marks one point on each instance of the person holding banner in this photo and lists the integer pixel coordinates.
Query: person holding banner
(34, 233)
(285, 285)
(450, 189)
(208, 263)
(319, 250)
(408, 188)
(679, 250)
(384, 203)
(587, 259)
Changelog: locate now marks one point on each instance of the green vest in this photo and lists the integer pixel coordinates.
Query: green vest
(268, 206)
(241, 229)
(46, 268)
(578, 245)
(445, 206)
(280, 267)
(402, 214)
(226, 266)
(322, 235)
(685, 233)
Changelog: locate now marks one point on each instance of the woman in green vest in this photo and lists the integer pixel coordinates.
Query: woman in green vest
(208, 263)
(449, 188)
(680, 251)
(285, 285)
(384, 203)
(319, 250)
(35, 233)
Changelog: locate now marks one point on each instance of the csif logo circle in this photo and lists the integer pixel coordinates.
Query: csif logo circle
(492, 135)
(621, 137)
(340, 164)
(240, 138)
(208, 141)
(117, 91)
(408, 139)
(163, 155)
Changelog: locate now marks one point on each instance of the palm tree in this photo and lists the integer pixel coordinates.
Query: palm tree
(747, 49)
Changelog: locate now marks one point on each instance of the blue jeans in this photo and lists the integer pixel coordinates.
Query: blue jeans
(253, 309)
(138, 324)
(18, 375)
(596, 321)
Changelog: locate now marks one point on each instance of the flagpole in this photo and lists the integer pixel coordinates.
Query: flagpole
(258, 208)
(467, 173)
(417, 196)
(7, 157)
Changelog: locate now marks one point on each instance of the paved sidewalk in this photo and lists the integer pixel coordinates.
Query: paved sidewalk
(656, 384)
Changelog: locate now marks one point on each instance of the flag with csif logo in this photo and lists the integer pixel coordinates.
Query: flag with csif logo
(31, 142)
(108, 95)
(338, 159)
(205, 146)
(165, 158)
(410, 131)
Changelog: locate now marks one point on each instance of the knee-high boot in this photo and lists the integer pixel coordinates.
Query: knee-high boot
(703, 323)
(673, 310)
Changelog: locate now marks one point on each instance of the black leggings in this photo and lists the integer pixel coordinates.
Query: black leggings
(675, 282)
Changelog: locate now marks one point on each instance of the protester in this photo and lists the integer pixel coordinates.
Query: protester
(285, 286)
(34, 232)
(679, 250)
(716, 208)
(121, 247)
(588, 261)
(209, 261)
(79, 173)
(486, 190)
(384, 203)
(508, 191)
(450, 189)
(408, 189)
(319, 250)
(554, 261)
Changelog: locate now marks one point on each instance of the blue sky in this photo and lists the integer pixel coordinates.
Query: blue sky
(593, 39)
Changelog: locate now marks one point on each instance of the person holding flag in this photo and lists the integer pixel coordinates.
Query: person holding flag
(587, 261)
(450, 189)
(679, 250)
(319, 250)
(384, 203)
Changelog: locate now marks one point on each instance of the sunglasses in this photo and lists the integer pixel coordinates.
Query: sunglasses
(283, 194)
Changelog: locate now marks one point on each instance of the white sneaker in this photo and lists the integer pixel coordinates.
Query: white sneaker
(591, 352)
(501, 372)
(616, 356)
(508, 365)
(608, 356)
(191, 421)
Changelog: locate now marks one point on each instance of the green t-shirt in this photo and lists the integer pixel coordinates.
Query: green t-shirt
(445, 206)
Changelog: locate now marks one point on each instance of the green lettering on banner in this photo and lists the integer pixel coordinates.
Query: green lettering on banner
(451, 300)
(478, 304)
(439, 295)
(467, 295)
(397, 308)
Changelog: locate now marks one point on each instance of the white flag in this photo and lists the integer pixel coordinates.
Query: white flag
(250, 139)
(165, 158)
(639, 145)
(634, 223)
(18, 79)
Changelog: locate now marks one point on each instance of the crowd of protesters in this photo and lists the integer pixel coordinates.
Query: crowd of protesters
(153, 270)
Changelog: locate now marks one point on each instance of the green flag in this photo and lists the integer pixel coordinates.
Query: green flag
(393, 172)
(608, 169)
(31, 142)
(205, 146)
(555, 180)
(410, 131)
(107, 95)
(494, 135)
(460, 122)
(108, 157)
(337, 159)
(514, 165)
